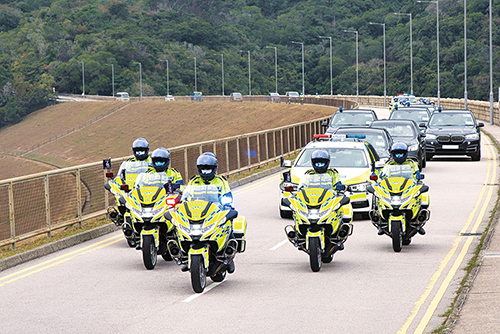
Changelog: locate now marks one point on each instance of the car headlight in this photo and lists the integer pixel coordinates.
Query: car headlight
(472, 136)
(413, 147)
(360, 187)
(430, 136)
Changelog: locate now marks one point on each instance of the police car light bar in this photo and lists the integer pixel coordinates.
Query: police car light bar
(322, 136)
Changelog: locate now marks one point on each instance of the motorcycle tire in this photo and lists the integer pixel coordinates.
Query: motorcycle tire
(219, 277)
(397, 240)
(149, 252)
(198, 273)
(315, 254)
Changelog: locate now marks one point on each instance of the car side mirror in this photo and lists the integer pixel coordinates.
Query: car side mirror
(423, 125)
(324, 123)
(379, 164)
(286, 163)
(480, 125)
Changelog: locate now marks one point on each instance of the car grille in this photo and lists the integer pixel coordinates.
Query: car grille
(457, 139)
(444, 139)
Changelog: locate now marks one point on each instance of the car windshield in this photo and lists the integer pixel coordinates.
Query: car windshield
(400, 130)
(398, 171)
(339, 157)
(208, 193)
(293, 94)
(458, 119)
(414, 115)
(323, 181)
(351, 119)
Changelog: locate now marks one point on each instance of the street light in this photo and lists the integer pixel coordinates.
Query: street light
(83, 79)
(385, 86)
(168, 88)
(195, 82)
(222, 62)
(491, 69)
(275, 64)
(249, 77)
(140, 79)
(303, 87)
(331, 70)
(357, 77)
(437, 46)
(411, 51)
(465, 54)
(112, 78)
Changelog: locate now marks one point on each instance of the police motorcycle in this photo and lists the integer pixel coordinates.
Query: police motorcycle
(323, 218)
(203, 222)
(120, 187)
(400, 204)
(153, 194)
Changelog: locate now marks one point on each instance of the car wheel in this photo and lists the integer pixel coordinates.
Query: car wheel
(476, 157)
(428, 156)
(424, 161)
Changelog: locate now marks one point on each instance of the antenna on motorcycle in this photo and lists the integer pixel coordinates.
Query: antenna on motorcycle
(106, 164)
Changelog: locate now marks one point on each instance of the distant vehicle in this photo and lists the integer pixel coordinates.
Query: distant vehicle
(350, 117)
(454, 132)
(292, 96)
(420, 115)
(274, 98)
(169, 98)
(122, 96)
(197, 96)
(379, 138)
(236, 97)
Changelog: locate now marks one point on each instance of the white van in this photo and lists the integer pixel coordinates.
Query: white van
(122, 96)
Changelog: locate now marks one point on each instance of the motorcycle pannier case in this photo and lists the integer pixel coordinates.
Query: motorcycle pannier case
(240, 231)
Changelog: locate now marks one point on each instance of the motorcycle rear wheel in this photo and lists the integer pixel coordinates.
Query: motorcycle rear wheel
(198, 273)
(397, 240)
(149, 252)
(314, 254)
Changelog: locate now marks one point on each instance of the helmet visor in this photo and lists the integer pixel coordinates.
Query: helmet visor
(399, 154)
(206, 171)
(320, 164)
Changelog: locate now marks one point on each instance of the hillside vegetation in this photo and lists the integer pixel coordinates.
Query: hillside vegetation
(46, 44)
(162, 124)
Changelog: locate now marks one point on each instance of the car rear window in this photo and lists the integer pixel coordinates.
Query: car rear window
(339, 157)
(351, 119)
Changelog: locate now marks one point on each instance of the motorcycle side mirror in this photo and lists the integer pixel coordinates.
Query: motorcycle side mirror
(124, 187)
(232, 215)
(345, 200)
(424, 189)
(110, 175)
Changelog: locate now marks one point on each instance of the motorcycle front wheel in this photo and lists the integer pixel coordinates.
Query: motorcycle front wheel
(198, 273)
(149, 252)
(315, 254)
(397, 240)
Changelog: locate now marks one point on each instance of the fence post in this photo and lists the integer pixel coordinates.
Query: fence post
(47, 206)
(249, 153)
(281, 141)
(258, 149)
(227, 157)
(186, 162)
(79, 197)
(12, 216)
(267, 146)
(238, 152)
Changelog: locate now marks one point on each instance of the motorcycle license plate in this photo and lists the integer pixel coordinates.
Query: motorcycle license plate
(450, 147)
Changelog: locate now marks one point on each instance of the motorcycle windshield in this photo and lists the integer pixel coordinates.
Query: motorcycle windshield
(151, 180)
(398, 171)
(133, 167)
(208, 193)
(323, 181)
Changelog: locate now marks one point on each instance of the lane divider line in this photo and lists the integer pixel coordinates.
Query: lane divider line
(207, 289)
(430, 286)
(278, 245)
(458, 262)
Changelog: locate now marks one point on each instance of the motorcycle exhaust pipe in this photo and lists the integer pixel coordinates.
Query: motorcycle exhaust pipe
(374, 216)
(423, 215)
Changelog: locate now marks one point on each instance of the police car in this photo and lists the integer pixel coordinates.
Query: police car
(354, 160)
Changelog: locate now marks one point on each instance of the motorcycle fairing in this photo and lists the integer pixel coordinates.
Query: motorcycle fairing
(319, 234)
(155, 232)
(203, 251)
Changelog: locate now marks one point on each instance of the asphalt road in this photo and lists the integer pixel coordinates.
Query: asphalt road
(102, 286)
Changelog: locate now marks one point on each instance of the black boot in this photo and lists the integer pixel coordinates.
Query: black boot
(380, 231)
(230, 267)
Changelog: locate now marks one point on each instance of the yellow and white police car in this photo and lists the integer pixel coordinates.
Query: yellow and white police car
(353, 159)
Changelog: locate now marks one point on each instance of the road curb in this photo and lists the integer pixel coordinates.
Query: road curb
(100, 231)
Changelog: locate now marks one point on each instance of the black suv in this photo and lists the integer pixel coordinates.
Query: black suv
(350, 117)
(453, 132)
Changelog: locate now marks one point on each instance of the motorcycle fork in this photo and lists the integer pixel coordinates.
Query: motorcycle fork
(155, 232)
(318, 234)
(401, 219)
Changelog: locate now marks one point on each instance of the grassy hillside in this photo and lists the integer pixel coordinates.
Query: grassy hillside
(163, 124)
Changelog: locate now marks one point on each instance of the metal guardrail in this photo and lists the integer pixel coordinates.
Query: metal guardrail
(38, 204)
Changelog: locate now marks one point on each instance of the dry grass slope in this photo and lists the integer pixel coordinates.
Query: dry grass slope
(163, 124)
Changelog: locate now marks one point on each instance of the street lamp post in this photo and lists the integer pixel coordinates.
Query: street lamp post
(140, 79)
(437, 47)
(275, 64)
(168, 86)
(331, 70)
(465, 54)
(385, 86)
(491, 69)
(357, 77)
(303, 87)
(83, 79)
(411, 50)
(249, 76)
(112, 78)
(222, 75)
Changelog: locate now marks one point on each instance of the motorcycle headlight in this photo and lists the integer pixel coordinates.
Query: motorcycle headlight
(395, 200)
(195, 230)
(413, 148)
(472, 136)
(313, 214)
(430, 136)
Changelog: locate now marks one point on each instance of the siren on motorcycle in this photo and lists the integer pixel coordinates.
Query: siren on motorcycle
(124, 187)
(373, 177)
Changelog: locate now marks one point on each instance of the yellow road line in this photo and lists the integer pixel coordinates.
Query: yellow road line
(418, 304)
(444, 286)
(63, 258)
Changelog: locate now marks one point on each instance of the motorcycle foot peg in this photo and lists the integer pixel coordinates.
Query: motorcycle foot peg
(420, 230)
(380, 231)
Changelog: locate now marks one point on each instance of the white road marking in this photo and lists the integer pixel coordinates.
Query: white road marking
(208, 288)
(279, 245)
